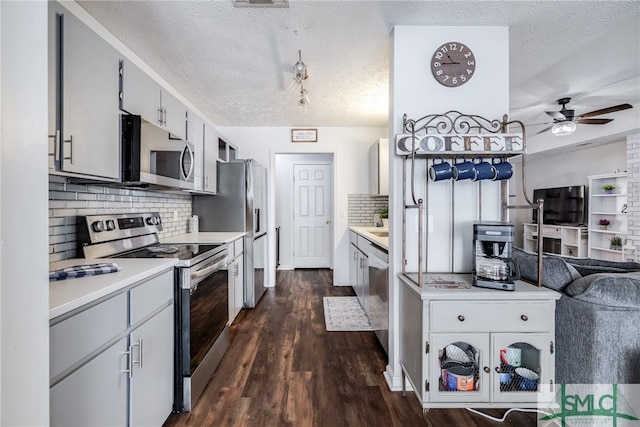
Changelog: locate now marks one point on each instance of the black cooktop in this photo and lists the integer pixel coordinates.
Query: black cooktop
(181, 252)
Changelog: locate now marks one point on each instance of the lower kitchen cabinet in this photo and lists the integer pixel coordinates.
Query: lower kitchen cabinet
(115, 375)
(236, 278)
(463, 346)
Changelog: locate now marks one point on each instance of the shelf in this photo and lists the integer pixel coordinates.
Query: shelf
(615, 251)
(595, 230)
(610, 195)
(608, 213)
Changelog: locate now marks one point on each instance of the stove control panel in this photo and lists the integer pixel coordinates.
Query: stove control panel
(102, 228)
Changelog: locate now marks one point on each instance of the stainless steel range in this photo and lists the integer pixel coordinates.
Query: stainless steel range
(201, 292)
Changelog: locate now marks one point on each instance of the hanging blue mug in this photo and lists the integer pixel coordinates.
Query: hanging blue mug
(482, 170)
(503, 169)
(462, 169)
(440, 171)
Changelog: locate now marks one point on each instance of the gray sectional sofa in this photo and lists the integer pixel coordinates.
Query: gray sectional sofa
(597, 316)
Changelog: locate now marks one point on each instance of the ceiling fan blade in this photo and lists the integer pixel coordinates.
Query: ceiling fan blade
(593, 121)
(544, 130)
(557, 115)
(607, 110)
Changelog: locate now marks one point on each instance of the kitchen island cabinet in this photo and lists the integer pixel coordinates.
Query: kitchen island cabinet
(111, 359)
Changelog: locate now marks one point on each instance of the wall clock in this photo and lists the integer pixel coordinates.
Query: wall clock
(453, 64)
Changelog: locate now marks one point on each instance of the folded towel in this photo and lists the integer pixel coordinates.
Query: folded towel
(83, 271)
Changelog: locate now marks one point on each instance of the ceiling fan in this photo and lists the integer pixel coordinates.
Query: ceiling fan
(564, 121)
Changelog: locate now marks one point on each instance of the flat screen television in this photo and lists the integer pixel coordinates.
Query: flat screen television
(562, 205)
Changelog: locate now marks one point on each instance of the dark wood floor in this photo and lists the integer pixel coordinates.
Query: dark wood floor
(284, 369)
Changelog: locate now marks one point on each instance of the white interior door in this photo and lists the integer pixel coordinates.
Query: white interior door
(312, 216)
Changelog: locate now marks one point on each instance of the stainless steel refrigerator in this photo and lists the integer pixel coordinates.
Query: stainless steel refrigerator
(240, 205)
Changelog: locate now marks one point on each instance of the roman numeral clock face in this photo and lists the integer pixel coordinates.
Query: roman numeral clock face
(453, 64)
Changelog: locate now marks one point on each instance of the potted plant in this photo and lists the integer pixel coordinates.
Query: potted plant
(604, 223)
(384, 216)
(608, 188)
(615, 243)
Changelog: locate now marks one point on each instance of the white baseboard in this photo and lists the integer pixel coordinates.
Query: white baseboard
(395, 382)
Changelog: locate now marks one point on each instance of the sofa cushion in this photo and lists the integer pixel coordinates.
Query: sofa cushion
(556, 273)
(587, 266)
(610, 289)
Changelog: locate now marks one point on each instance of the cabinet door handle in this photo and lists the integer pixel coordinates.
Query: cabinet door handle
(139, 361)
(56, 141)
(164, 116)
(461, 318)
(160, 115)
(487, 369)
(70, 142)
(498, 370)
(524, 317)
(129, 369)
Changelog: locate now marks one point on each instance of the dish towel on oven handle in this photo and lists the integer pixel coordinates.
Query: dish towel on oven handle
(83, 271)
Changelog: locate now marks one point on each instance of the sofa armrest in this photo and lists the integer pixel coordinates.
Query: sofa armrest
(609, 289)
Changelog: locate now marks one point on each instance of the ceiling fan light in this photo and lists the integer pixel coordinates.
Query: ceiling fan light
(563, 128)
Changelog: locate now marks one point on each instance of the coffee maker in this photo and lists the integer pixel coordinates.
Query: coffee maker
(493, 265)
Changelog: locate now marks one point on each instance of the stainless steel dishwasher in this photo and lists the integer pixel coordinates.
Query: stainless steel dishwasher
(378, 306)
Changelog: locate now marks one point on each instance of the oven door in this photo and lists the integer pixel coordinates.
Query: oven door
(202, 318)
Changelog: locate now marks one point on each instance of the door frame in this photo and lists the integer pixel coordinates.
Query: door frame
(283, 200)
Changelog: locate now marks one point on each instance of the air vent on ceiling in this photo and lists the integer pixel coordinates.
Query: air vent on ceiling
(261, 3)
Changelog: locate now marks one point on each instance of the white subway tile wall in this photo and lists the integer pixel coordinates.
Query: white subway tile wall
(69, 201)
(633, 189)
(362, 207)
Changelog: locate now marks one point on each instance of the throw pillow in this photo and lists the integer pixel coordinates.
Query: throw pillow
(556, 273)
(610, 289)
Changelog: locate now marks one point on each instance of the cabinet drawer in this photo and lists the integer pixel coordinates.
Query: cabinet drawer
(353, 237)
(238, 247)
(151, 295)
(74, 338)
(551, 231)
(477, 316)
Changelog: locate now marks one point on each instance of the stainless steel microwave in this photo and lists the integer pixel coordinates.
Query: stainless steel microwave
(152, 156)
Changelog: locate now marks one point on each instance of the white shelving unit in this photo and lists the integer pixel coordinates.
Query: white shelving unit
(612, 206)
(571, 241)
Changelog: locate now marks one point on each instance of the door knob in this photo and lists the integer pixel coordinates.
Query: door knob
(328, 221)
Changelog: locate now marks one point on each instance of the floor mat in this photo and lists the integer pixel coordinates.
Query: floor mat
(345, 314)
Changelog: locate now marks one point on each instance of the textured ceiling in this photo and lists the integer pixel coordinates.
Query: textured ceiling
(235, 64)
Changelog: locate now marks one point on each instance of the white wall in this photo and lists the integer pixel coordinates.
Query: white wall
(415, 92)
(561, 168)
(350, 148)
(24, 288)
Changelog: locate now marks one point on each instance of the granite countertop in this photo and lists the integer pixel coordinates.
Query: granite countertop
(368, 233)
(67, 295)
(205, 238)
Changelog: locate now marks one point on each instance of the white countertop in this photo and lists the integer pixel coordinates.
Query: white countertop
(205, 238)
(67, 295)
(445, 285)
(366, 232)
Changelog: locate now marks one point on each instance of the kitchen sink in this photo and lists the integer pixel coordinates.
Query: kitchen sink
(380, 233)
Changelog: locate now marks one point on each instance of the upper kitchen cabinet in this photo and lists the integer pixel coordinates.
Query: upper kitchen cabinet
(83, 100)
(195, 135)
(210, 163)
(379, 168)
(226, 151)
(204, 139)
(143, 96)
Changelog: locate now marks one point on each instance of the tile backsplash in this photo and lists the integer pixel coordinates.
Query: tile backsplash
(68, 201)
(362, 207)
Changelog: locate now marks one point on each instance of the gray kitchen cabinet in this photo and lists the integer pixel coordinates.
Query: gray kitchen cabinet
(143, 96)
(379, 168)
(112, 361)
(95, 394)
(83, 102)
(360, 265)
(195, 135)
(236, 278)
(210, 160)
